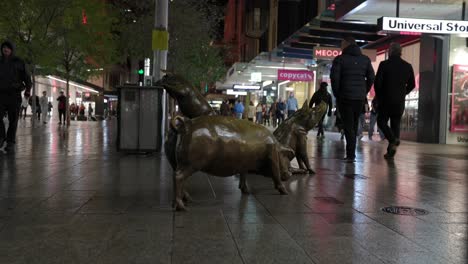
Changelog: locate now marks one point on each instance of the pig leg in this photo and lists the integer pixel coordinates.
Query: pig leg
(275, 168)
(301, 155)
(243, 183)
(179, 180)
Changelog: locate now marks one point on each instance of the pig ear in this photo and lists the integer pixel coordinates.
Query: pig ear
(178, 123)
(305, 106)
(288, 152)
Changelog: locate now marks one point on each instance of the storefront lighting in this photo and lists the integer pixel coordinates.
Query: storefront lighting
(281, 67)
(72, 84)
(232, 92)
(246, 87)
(266, 83)
(281, 83)
(289, 88)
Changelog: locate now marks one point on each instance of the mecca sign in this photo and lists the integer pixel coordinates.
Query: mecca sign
(326, 53)
(400, 24)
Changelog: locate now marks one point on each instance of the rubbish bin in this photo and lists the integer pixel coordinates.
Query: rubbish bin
(139, 119)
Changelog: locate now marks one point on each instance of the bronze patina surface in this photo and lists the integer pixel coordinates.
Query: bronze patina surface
(293, 132)
(191, 101)
(224, 146)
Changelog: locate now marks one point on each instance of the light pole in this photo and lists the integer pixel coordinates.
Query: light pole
(161, 8)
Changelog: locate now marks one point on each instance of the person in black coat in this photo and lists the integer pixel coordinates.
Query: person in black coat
(322, 95)
(352, 77)
(394, 80)
(14, 78)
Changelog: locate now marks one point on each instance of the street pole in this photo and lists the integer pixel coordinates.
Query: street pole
(161, 8)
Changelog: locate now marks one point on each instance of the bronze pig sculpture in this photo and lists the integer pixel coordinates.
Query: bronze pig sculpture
(191, 101)
(224, 146)
(293, 133)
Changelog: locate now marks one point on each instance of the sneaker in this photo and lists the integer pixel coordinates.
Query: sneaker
(397, 142)
(391, 151)
(349, 159)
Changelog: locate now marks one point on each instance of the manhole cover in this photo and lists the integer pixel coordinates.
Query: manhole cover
(331, 200)
(355, 176)
(402, 210)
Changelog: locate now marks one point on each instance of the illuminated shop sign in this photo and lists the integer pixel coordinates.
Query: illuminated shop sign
(326, 53)
(295, 75)
(321, 53)
(399, 24)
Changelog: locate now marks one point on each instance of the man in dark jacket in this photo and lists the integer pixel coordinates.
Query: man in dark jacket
(322, 95)
(352, 77)
(394, 80)
(13, 80)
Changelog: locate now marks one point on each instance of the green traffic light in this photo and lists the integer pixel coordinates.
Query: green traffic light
(141, 71)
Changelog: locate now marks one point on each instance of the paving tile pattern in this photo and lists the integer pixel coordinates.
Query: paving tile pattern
(67, 196)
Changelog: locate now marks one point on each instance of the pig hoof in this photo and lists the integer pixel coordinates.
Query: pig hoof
(179, 205)
(187, 197)
(282, 190)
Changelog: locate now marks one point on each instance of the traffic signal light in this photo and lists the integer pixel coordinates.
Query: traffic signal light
(141, 72)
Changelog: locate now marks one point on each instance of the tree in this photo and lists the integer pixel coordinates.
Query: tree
(84, 40)
(191, 49)
(28, 23)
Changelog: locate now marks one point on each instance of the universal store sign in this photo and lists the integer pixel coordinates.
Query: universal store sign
(400, 24)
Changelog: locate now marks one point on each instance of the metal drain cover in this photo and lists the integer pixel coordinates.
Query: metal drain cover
(403, 210)
(355, 176)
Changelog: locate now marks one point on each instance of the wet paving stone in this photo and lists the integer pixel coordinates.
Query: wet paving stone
(68, 196)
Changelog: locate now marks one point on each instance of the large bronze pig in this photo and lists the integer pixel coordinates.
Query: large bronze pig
(293, 132)
(224, 146)
(191, 101)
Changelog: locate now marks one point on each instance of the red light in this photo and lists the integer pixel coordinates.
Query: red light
(84, 18)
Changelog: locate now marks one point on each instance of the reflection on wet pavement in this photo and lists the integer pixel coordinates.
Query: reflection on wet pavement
(69, 197)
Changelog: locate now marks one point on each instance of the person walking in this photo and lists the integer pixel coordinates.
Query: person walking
(394, 80)
(44, 103)
(272, 113)
(24, 107)
(351, 76)
(373, 120)
(251, 111)
(224, 109)
(62, 107)
(291, 104)
(322, 95)
(90, 111)
(239, 109)
(14, 78)
(266, 115)
(259, 113)
(37, 113)
(280, 108)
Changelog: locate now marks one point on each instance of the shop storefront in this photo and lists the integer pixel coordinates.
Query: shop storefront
(436, 109)
(78, 93)
(299, 82)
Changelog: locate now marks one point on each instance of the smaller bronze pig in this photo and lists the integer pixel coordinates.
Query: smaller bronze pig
(225, 146)
(191, 101)
(293, 133)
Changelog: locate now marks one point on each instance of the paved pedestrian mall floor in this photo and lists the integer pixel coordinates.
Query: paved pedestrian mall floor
(68, 196)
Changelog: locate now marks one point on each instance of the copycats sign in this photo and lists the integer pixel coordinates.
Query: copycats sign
(423, 25)
(295, 75)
